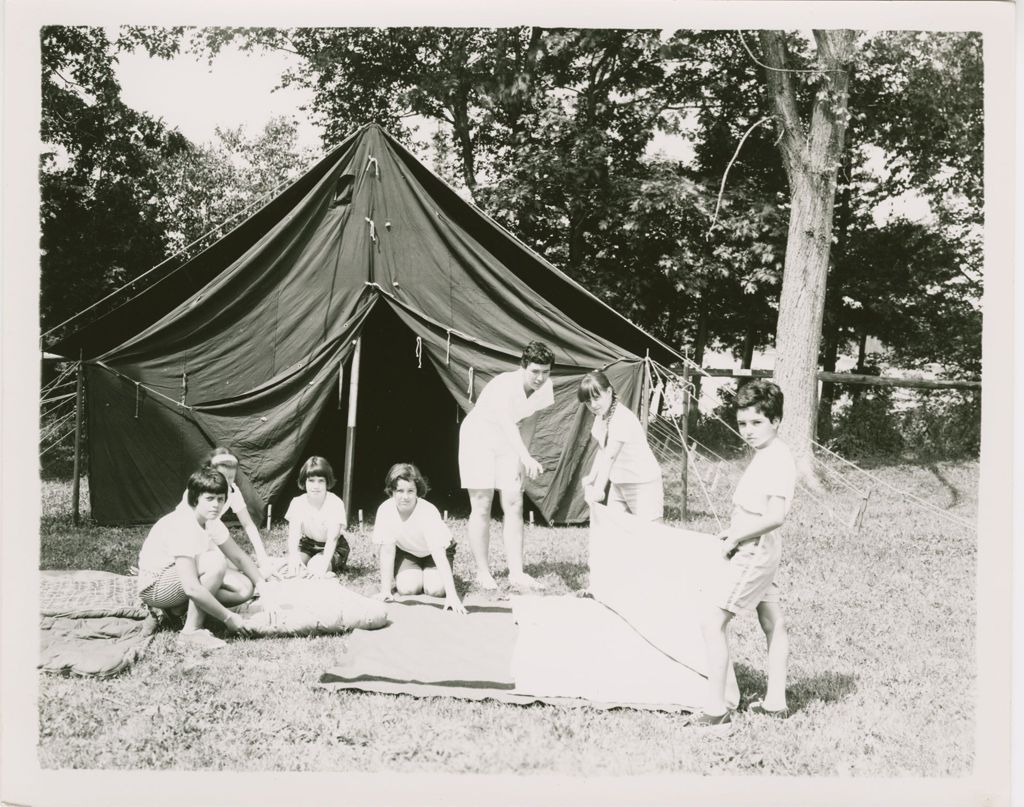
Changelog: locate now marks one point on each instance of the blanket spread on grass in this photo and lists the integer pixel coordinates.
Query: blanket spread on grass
(426, 652)
(90, 623)
(636, 643)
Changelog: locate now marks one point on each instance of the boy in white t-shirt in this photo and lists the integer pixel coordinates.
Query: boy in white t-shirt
(182, 567)
(315, 521)
(415, 546)
(494, 456)
(753, 547)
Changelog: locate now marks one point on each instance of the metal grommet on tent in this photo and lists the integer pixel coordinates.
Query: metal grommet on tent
(419, 352)
(469, 391)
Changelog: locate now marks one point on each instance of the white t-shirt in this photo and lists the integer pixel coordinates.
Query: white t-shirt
(504, 399)
(315, 522)
(176, 535)
(772, 472)
(423, 532)
(635, 461)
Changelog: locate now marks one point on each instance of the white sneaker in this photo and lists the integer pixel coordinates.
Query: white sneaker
(201, 638)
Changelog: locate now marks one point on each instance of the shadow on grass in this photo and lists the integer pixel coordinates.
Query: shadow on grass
(574, 575)
(827, 687)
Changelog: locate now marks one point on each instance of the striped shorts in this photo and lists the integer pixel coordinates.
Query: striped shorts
(166, 591)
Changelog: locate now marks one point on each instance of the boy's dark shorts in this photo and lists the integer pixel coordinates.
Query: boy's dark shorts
(339, 561)
(426, 562)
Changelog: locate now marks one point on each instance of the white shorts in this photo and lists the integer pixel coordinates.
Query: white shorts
(645, 500)
(749, 578)
(484, 462)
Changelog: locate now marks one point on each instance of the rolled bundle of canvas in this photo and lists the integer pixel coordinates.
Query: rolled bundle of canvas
(302, 607)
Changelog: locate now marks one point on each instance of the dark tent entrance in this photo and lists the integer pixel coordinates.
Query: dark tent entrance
(404, 413)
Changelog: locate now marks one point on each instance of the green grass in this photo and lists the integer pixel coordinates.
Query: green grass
(881, 667)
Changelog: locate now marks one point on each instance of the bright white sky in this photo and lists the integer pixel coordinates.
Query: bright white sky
(236, 89)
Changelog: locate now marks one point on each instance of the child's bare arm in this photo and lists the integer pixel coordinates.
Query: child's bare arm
(755, 527)
(253, 533)
(234, 553)
(387, 570)
(333, 533)
(294, 534)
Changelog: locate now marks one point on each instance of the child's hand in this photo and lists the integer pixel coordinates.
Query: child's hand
(454, 604)
(532, 468)
(729, 544)
(235, 624)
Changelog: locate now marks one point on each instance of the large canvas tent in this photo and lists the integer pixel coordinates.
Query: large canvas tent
(250, 344)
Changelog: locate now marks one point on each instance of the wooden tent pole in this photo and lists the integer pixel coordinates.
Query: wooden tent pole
(350, 440)
(75, 489)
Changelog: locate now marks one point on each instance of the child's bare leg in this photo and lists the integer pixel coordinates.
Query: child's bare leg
(235, 589)
(512, 533)
(714, 624)
(409, 579)
(433, 585)
(773, 623)
(479, 528)
(210, 567)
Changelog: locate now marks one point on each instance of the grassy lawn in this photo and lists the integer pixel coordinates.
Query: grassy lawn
(881, 679)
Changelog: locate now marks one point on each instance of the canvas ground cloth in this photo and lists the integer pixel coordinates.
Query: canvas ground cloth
(636, 643)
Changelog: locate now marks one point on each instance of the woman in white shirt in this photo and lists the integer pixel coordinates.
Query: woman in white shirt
(624, 464)
(415, 546)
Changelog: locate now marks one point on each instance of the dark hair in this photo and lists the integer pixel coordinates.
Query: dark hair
(316, 466)
(592, 385)
(409, 473)
(537, 353)
(217, 451)
(205, 480)
(765, 396)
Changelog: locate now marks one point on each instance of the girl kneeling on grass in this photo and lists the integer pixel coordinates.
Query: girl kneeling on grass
(416, 546)
(221, 459)
(624, 464)
(315, 520)
(184, 569)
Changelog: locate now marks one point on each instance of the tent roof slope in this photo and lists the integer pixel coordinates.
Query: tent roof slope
(368, 213)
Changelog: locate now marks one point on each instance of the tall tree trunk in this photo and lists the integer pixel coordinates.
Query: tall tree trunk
(811, 154)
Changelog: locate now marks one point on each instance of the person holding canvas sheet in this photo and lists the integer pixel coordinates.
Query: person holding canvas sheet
(625, 464)
(752, 546)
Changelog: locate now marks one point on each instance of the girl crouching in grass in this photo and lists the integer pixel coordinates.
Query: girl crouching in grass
(415, 545)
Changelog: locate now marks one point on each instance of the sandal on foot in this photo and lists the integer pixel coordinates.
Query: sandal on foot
(757, 708)
(712, 724)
